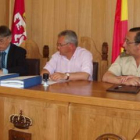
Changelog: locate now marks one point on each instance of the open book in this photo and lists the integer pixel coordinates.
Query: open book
(22, 81)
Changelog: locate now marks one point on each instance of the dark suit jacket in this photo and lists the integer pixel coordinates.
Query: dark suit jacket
(16, 60)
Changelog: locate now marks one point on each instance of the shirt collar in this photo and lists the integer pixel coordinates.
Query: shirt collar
(75, 53)
(73, 56)
(7, 50)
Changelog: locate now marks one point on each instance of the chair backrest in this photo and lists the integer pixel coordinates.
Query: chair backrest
(110, 136)
(32, 49)
(33, 52)
(33, 66)
(89, 44)
(95, 71)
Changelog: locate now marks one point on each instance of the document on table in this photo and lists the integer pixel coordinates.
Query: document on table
(51, 82)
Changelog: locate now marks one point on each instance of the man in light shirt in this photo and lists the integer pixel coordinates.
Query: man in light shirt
(126, 69)
(70, 62)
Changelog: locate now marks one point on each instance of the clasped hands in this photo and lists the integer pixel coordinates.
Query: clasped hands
(130, 80)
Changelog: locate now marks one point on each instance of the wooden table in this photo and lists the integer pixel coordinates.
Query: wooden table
(75, 110)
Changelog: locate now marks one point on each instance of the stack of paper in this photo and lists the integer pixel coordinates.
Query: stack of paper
(22, 81)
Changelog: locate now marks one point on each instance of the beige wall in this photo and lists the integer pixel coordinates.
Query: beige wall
(92, 18)
(4, 12)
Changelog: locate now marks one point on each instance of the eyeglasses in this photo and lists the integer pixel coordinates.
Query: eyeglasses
(129, 42)
(59, 44)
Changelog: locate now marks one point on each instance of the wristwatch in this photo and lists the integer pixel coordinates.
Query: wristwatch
(67, 76)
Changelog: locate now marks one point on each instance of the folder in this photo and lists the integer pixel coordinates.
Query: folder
(10, 75)
(22, 81)
(124, 89)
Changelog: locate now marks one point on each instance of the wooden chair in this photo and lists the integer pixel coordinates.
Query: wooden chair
(33, 66)
(33, 52)
(95, 71)
(110, 136)
(32, 49)
(89, 44)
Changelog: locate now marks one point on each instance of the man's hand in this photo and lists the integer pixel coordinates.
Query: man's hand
(130, 80)
(1, 72)
(58, 76)
(125, 80)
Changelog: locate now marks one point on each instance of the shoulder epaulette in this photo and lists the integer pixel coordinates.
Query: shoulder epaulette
(124, 54)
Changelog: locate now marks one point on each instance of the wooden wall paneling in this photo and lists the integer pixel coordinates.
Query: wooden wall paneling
(85, 18)
(60, 13)
(7, 3)
(28, 14)
(37, 20)
(110, 8)
(93, 18)
(131, 10)
(136, 13)
(98, 30)
(49, 119)
(72, 17)
(11, 8)
(4, 10)
(88, 122)
(48, 25)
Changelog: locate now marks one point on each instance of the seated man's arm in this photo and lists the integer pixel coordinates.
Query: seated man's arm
(72, 76)
(79, 76)
(62, 76)
(125, 80)
(114, 74)
(111, 78)
(44, 71)
(131, 80)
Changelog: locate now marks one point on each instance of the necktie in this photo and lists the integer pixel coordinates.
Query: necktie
(3, 59)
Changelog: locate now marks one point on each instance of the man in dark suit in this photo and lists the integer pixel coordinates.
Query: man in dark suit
(12, 57)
